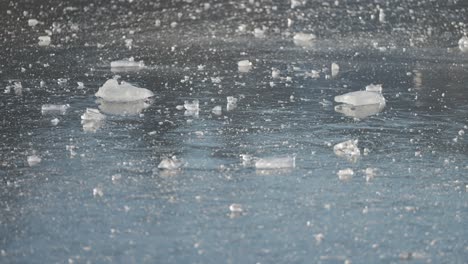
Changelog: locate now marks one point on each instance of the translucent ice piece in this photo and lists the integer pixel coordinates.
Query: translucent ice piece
(34, 160)
(275, 163)
(44, 40)
(92, 114)
(192, 106)
(374, 88)
(361, 98)
(304, 40)
(360, 111)
(112, 91)
(130, 64)
(123, 108)
(463, 44)
(49, 109)
(171, 163)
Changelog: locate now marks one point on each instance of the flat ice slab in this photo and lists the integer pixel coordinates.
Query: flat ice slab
(361, 98)
(112, 91)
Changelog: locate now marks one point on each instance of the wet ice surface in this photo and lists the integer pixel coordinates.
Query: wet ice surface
(90, 190)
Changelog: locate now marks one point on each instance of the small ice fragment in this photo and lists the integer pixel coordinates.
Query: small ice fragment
(54, 109)
(275, 73)
(192, 106)
(92, 114)
(236, 208)
(217, 110)
(319, 238)
(370, 173)
(244, 63)
(259, 33)
(461, 133)
(128, 63)
(231, 103)
(171, 163)
(361, 98)
(348, 149)
(18, 88)
(44, 40)
(335, 69)
(62, 81)
(304, 39)
(34, 160)
(381, 15)
(80, 85)
(33, 22)
(313, 74)
(360, 111)
(98, 192)
(180, 107)
(54, 121)
(112, 91)
(374, 88)
(275, 163)
(325, 103)
(345, 174)
(463, 44)
(216, 79)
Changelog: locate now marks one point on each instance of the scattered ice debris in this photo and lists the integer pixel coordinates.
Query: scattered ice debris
(275, 162)
(361, 98)
(359, 112)
(348, 149)
(127, 64)
(54, 121)
(33, 22)
(217, 110)
(335, 69)
(123, 108)
(112, 91)
(236, 208)
(231, 103)
(44, 40)
(345, 174)
(216, 79)
(33, 160)
(304, 39)
(49, 109)
(92, 120)
(172, 163)
(463, 44)
(98, 192)
(244, 66)
(374, 88)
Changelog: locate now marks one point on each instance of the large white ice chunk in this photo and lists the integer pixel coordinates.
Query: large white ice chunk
(360, 111)
(112, 91)
(361, 98)
(123, 108)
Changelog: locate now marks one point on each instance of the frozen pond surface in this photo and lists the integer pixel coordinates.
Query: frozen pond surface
(92, 192)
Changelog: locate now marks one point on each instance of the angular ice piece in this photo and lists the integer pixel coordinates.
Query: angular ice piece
(361, 98)
(123, 108)
(259, 33)
(217, 110)
(172, 163)
(244, 66)
(44, 40)
(129, 64)
(92, 120)
(236, 208)
(244, 63)
(348, 149)
(34, 160)
(54, 109)
(335, 69)
(192, 106)
(463, 44)
(360, 111)
(374, 88)
(304, 39)
(231, 103)
(33, 22)
(275, 163)
(275, 73)
(54, 121)
(92, 114)
(112, 91)
(345, 174)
